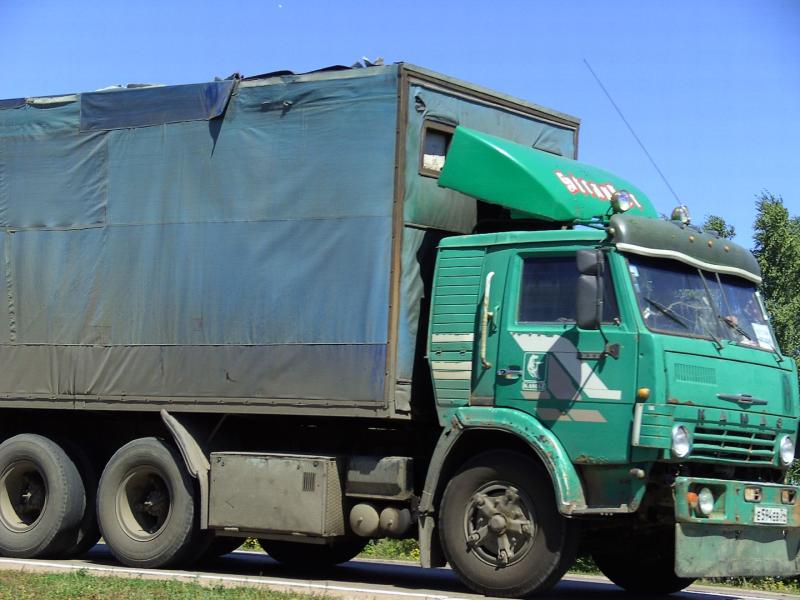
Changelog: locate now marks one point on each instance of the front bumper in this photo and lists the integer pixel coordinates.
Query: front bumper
(731, 541)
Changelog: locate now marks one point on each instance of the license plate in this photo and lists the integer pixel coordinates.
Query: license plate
(770, 516)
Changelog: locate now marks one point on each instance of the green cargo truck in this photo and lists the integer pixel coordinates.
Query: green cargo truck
(325, 308)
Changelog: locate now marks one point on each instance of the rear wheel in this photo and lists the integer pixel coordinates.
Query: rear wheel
(643, 564)
(309, 556)
(42, 499)
(147, 506)
(500, 528)
(87, 533)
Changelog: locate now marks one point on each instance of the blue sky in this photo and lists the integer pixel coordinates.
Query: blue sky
(712, 88)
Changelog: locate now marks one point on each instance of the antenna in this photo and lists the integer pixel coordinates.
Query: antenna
(630, 128)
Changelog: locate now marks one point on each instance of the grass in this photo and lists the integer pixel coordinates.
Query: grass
(22, 585)
(389, 549)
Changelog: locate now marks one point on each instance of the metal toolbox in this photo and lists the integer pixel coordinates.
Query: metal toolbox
(279, 493)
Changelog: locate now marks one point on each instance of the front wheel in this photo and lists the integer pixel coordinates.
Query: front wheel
(500, 528)
(310, 556)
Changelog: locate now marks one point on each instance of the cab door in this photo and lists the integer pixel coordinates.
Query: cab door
(564, 375)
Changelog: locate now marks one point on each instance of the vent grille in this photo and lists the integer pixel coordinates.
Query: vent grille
(695, 374)
(718, 443)
(309, 481)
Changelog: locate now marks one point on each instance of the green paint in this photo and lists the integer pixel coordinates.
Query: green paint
(569, 491)
(730, 542)
(549, 384)
(531, 183)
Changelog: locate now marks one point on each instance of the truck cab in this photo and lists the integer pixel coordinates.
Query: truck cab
(635, 356)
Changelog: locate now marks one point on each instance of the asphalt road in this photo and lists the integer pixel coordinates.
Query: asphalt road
(358, 579)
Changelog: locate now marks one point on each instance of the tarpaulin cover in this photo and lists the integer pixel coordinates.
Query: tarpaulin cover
(174, 242)
(245, 256)
(154, 105)
(12, 103)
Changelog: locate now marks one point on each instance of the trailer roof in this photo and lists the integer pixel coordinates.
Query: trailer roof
(334, 72)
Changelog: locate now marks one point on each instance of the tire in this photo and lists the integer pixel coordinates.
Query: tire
(147, 505)
(42, 499)
(642, 568)
(87, 533)
(311, 556)
(502, 500)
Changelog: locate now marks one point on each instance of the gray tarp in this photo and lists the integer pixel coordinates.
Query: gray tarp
(175, 242)
(244, 256)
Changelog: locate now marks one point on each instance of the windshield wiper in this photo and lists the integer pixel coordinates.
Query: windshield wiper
(669, 312)
(730, 322)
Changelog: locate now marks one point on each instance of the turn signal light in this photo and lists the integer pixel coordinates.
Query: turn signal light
(692, 499)
(643, 393)
(752, 494)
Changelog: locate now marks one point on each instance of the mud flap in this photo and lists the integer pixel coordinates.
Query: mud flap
(708, 550)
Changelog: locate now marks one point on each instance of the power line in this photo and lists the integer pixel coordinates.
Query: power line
(630, 128)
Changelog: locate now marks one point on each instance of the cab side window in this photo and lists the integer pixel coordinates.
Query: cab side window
(547, 291)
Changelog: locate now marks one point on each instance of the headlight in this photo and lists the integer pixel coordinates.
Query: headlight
(705, 501)
(786, 451)
(681, 442)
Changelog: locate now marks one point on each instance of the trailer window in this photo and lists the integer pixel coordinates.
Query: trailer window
(436, 139)
(548, 287)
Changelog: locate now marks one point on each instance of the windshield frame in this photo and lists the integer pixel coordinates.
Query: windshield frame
(717, 330)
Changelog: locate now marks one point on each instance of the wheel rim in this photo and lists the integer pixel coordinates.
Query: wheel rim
(143, 504)
(499, 524)
(23, 496)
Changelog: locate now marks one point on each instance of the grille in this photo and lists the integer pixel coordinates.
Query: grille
(309, 481)
(695, 374)
(717, 443)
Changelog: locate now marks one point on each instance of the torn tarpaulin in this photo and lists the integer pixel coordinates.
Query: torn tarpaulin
(120, 109)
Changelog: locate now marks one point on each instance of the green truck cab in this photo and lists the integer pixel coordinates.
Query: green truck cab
(634, 356)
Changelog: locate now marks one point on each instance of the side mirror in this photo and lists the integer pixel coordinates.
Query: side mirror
(589, 292)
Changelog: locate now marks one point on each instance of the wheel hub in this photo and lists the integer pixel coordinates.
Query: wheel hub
(143, 504)
(23, 494)
(498, 524)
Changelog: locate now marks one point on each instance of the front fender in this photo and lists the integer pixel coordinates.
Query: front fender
(566, 483)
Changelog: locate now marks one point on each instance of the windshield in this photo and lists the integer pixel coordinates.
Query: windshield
(678, 299)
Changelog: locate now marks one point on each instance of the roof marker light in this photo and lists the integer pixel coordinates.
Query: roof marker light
(681, 213)
(621, 201)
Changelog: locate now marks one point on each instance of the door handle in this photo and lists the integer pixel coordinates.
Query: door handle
(509, 373)
(486, 315)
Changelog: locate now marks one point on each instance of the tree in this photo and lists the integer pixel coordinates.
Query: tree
(777, 249)
(719, 226)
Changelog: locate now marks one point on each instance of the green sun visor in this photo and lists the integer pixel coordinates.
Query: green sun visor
(532, 183)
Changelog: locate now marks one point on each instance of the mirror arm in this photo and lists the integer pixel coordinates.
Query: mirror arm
(611, 350)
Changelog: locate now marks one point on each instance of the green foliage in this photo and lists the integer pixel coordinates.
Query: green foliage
(719, 226)
(251, 544)
(777, 249)
(392, 549)
(787, 585)
(19, 585)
